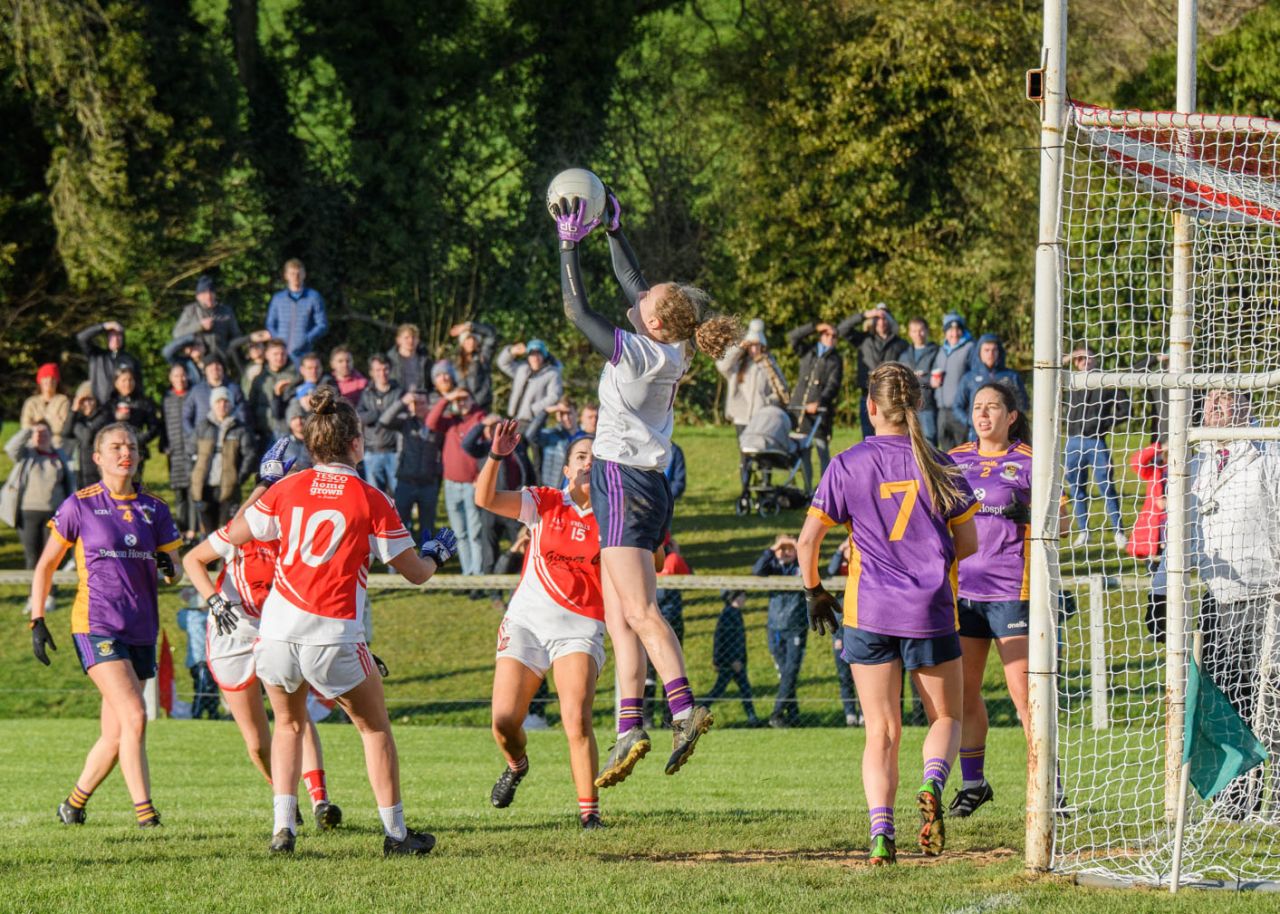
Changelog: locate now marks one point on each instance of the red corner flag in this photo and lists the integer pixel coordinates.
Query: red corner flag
(165, 673)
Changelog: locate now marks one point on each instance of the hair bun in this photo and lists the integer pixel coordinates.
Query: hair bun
(324, 400)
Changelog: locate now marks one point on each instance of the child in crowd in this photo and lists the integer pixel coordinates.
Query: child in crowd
(194, 618)
(729, 653)
(788, 627)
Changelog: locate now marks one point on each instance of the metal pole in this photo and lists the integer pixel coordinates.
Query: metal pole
(1046, 376)
(1098, 651)
(1184, 783)
(1180, 333)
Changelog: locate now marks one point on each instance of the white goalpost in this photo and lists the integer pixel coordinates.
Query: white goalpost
(1157, 345)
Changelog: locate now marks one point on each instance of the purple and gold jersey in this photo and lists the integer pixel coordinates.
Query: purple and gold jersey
(1000, 569)
(902, 558)
(115, 541)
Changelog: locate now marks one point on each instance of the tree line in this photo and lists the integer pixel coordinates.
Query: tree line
(800, 159)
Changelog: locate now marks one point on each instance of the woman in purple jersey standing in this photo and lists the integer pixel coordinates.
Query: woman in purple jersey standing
(909, 513)
(994, 582)
(121, 536)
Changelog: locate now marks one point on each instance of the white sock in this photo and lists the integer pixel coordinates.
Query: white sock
(969, 785)
(682, 715)
(393, 821)
(286, 805)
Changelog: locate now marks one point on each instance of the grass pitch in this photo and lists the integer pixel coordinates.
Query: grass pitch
(758, 821)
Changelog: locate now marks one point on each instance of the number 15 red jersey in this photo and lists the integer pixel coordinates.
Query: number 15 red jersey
(327, 521)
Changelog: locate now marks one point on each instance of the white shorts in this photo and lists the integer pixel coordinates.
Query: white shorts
(332, 670)
(231, 656)
(519, 642)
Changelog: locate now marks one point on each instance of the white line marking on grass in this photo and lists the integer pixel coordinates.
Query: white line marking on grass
(994, 903)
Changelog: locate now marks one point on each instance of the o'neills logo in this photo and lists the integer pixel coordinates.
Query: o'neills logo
(328, 485)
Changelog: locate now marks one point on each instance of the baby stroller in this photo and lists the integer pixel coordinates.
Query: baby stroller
(769, 446)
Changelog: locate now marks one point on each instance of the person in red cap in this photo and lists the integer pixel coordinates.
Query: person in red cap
(47, 405)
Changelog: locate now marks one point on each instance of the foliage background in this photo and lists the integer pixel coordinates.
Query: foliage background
(799, 158)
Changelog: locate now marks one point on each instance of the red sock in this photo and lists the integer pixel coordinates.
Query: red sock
(315, 785)
(588, 806)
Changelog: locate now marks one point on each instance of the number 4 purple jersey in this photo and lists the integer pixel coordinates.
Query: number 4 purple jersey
(902, 558)
(1000, 569)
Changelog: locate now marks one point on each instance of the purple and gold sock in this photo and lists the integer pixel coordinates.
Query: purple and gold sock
(630, 714)
(971, 764)
(145, 812)
(78, 799)
(937, 770)
(679, 698)
(882, 822)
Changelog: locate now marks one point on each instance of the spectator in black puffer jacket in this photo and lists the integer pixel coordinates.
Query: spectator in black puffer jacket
(817, 389)
(418, 469)
(729, 654)
(173, 442)
(105, 363)
(875, 334)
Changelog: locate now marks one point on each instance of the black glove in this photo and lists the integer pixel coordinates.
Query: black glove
(164, 565)
(225, 617)
(823, 610)
(382, 667)
(1017, 511)
(40, 639)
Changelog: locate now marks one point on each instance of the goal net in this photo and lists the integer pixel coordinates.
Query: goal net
(1126, 176)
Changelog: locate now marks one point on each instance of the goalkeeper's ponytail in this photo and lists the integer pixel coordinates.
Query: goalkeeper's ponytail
(685, 312)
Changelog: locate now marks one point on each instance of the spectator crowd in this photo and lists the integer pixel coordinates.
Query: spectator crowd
(428, 420)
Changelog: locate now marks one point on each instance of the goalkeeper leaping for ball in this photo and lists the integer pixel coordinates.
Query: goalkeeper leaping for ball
(630, 492)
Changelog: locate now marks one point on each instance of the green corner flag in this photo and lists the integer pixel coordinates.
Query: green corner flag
(1218, 743)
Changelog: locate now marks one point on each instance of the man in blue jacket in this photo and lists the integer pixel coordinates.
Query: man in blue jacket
(296, 313)
(948, 371)
(986, 364)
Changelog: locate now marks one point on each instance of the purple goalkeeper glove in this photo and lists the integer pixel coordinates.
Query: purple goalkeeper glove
(441, 547)
(274, 467)
(612, 212)
(571, 220)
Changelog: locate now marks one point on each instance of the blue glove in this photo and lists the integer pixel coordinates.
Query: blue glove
(442, 545)
(273, 466)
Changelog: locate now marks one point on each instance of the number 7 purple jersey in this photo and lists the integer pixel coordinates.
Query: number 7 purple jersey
(902, 558)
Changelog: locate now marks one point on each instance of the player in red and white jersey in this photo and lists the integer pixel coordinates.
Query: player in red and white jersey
(555, 619)
(328, 521)
(243, 585)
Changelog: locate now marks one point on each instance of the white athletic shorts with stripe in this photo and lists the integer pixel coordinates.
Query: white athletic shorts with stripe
(331, 669)
(520, 642)
(231, 656)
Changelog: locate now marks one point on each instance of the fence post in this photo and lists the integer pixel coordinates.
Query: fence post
(1098, 650)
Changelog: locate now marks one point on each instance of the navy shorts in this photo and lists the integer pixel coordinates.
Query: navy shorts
(633, 507)
(997, 619)
(870, 649)
(95, 649)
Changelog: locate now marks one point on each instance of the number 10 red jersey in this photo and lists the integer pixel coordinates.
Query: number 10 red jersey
(327, 521)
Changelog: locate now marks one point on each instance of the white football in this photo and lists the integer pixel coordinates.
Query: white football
(578, 182)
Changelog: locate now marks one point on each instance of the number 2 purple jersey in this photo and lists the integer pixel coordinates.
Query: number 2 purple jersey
(999, 570)
(902, 558)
